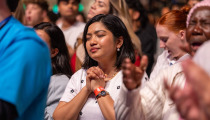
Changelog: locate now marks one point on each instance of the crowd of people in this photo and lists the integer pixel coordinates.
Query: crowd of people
(58, 67)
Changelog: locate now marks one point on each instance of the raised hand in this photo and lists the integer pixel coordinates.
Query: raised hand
(200, 82)
(132, 75)
(95, 78)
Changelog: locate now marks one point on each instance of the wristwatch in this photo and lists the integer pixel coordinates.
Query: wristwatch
(102, 93)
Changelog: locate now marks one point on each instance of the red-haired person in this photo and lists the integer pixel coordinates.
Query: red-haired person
(150, 101)
(198, 32)
(172, 22)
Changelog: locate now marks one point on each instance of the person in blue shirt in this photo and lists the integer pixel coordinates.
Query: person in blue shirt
(25, 68)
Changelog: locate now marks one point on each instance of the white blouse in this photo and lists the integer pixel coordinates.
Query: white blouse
(91, 110)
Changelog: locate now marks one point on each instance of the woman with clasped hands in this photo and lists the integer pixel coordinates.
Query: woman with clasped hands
(91, 92)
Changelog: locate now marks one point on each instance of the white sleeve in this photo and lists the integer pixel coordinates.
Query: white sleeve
(152, 100)
(73, 87)
(145, 102)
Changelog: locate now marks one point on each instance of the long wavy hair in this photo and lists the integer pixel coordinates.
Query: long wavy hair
(60, 63)
(120, 9)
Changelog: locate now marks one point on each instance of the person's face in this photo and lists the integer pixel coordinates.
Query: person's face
(198, 30)
(100, 43)
(134, 14)
(191, 3)
(171, 41)
(33, 14)
(80, 18)
(68, 9)
(99, 7)
(165, 10)
(44, 36)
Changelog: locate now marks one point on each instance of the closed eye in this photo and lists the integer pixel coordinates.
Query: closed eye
(100, 35)
(88, 37)
(206, 23)
(192, 22)
(101, 4)
(164, 39)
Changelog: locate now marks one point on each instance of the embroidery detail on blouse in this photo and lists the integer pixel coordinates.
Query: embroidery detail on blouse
(72, 91)
(80, 113)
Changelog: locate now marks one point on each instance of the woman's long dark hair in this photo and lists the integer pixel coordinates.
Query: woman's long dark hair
(60, 63)
(118, 29)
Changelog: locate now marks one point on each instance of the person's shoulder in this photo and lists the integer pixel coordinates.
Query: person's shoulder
(59, 79)
(18, 28)
(80, 24)
(80, 72)
(28, 42)
(59, 76)
(79, 75)
(176, 68)
(22, 32)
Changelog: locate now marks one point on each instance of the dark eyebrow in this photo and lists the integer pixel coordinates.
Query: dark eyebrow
(89, 34)
(99, 31)
(96, 32)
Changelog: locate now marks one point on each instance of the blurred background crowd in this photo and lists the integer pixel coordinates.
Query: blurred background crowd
(144, 15)
(95, 42)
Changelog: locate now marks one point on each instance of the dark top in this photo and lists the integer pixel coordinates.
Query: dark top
(7, 111)
(148, 39)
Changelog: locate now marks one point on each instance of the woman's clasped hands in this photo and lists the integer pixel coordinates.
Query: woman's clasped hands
(95, 78)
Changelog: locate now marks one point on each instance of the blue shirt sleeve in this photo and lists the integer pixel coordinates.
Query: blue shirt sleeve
(25, 69)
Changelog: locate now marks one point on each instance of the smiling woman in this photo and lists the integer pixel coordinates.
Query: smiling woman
(91, 92)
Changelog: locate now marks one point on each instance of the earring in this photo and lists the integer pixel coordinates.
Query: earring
(118, 49)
